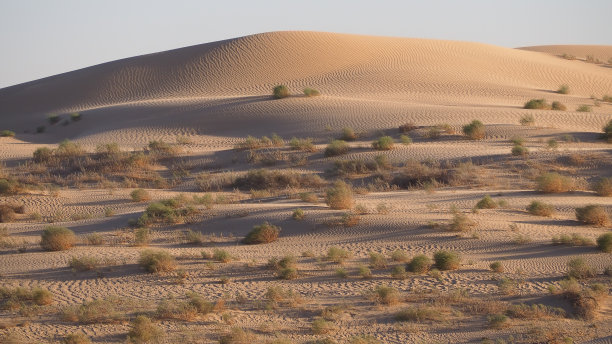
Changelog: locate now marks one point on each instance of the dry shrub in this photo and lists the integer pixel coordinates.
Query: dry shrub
(460, 223)
(603, 187)
(353, 167)
(497, 267)
(340, 196)
(553, 182)
(538, 104)
(497, 321)
(573, 240)
(157, 261)
(18, 298)
(407, 127)
(540, 209)
(385, 295)
(322, 326)
(336, 147)
(419, 314)
(238, 336)
(604, 242)
(383, 143)
(144, 331)
(264, 179)
(594, 215)
(534, 311)
(140, 195)
(348, 134)
(399, 256)
(302, 144)
(280, 91)
(475, 130)
(419, 264)
(84, 263)
(94, 312)
(57, 238)
(447, 260)
(189, 309)
(77, 338)
(486, 203)
(262, 234)
(578, 268)
(338, 255)
(558, 106)
(377, 260)
(607, 129)
(310, 92)
(7, 213)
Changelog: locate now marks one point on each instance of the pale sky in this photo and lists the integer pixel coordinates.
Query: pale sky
(40, 38)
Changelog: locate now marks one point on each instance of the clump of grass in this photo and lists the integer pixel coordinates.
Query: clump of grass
(311, 92)
(341, 272)
(475, 130)
(593, 214)
(507, 286)
(222, 256)
(518, 150)
(77, 338)
(540, 209)
(238, 336)
(573, 240)
(537, 104)
(57, 238)
(385, 295)
(447, 260)
(603, 187)
(337, 255)
(527, 120)
(383, 143)
(460, 223)
(377, 260)
(20, 298)
(262, 234)
(156, 261)
(298, 214)
(558, 106)
(604, 242)
(280, 91)
(187, 310)
(563, 89)
(497, 321)
(584, 108)
(578, 268)
(496, 267)
(263, 179)
(399, 272)
(84, 263)
(533, 311)
(407, 127)
(308, 197)
(350, 219)
(405, 140)
(553, 182)
(419, 314)
(607, 130)
(143, 330)
(140, 195)
(94, 312)
(336, 147)
(419, 264)
(302, 144)
(364, 272)
(340, 196)
(322, 326)
(348, 134)
(7, 133)
(486, 203)
(399, 256)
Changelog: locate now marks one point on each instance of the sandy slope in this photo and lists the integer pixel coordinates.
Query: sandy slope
(601, 52)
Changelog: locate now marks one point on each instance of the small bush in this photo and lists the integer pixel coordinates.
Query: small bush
(157, 261)
(298, 214)
(383, 143)
(93, 312)
(341, 272)
(475, 130)
(594, 215)
(497, 321)
(552, 182)
(419, 314)
(310, 92)
(144, 331)
(53, 119)
(486, 203)
(519, 150)
(507, 286)
(573, 240)
(399, 272)
(57, 239)
(7, 213)
(140, 195)
(302, 144)
(336, 147)
(288, 273)
(238, 336)
(77, 338)
(377, 260)
(348, 134)
(399, 256)
(75, 117)
(563, 89)
(607, 129)
(527, 120)
(447, 260)
(537, 104)
(603, 187)
(340, 196)
(583, 108)
(558, 106)
(497, 267)
(407, 127)
(350, 219)
(419, 264)
(84, 263)
(262, 234)
(578, 268)
(604, 242)
(7, 133)
(405, 140)
(322, 326)
(385, 295)
(221, 256)
(540, 209)
(460, 223)
(9, 186)
(280, 91)
(337, 255)
(142, 236)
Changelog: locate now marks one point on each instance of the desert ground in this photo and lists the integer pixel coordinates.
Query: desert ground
(206, 210)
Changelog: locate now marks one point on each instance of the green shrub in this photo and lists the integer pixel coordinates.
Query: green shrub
(486, 203)
(563, 89)
(341, 272)
(53, 119)
(385, 295)
(7, 133)
(573, 240)
(298, 214)
(288, 273)
(578, 268)
(157, 261)
(383, 143)
(475, 130)
(84, 263)
(540, 208)
(399, 256)
(593, 214)
(603, 187)
(337, 255)
(221, 256)
(93, 312)
(447, 260)
(336, 147)
(377, 260)
(399, 272)
(161, 147)
(558, 106)
(607, 129)
(527, 120)
(553, 182)
(42, 155)
(460, 223)
(348, 134)
(302, 144)
(405, 140)
(537, 104)
(9, 187)
(57, 239)
(144, 331)
(519, 150)
(497, 321)
(604, 242)
(583, 108)
(142, 236)
(310, 92)
(77, 338)
(340, 196)
(419, 314)
(419, 264)
(497, 267)
(322, 326)
(140, 195)
(263, 179)
(75, 116)
(262, 234)
(280, 91)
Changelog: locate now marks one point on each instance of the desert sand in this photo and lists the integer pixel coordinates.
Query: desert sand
(203, 100)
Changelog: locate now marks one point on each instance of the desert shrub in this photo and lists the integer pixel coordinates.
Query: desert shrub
(288, 273)
(497, 321)
(222, 256)
(460, 223)
(607, 129)
(593, 214)
(573, 240)
(377, 260)
(348, 134)
(537, 104)
(519, 150)
(94, 239)
(405, 140)
(527, 120)
(583, 108)
(399, 272)
(195, 237)
(336, 147)
(140, 195)
(93, 312)
(419, 264)
(563, 89)
(7, 133)
(75, 117)
(263, 179)
(302, 144)
(69, 149)
(322, 326)
(187, 309)
(298, 214)
(280, 91)
(238, 336)
(341, 272)
(603, 187)
(42, 154)
(604, 242)
(57, 238)
(383, 143)
(337, 255)
(553, 182)
(552, 144)
(19, 298)
(507, 286)
(533, 311)
(143, 330)
(84, 263)
(419, 314)
(340, 196)
(161, 147)
(497, 267)
(578, 268)
(352, 167)
(53, 119)
(76, 338)
(558, 106)
(7, 213)
(475, 130)
(407, 127)
(9, 186)
(350, 219)
(399, 256)
(385, 295)
(142, 236)
(447, 260)
(308, 197)
(262, 234)
(310, 92)
(540, 208)
(155, 261)
(486, 203)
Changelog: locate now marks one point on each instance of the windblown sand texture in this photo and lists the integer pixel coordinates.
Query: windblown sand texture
(216, 94)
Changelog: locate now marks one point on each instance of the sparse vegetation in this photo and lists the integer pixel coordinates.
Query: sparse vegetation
(383, 143)
(280, 91)
(76, 338)
(263, 179)
(573, 240)
(447, 260)
(518, 150)
(57, 239)
(496, 267)
(607, 129)
(262, 234)
(537, 104)
(460, 223)
(419, 264)
(337, 255)
(94, 312)
(553, 182)
(377, 260)
(340, 196)
(475, 130)
(419, 314)
(486, 203)
(399, 256)
(348, 134)
(140, 195)
(594, 215)
(336, 147)
(604, 242)
(584, 108)
(144, 331)
(7, 133)
(84, 263)
(603, 187)
(527, 120)
(385, 295)
(302, 144)
(298, 214)
(563, 89)
(578, 268)
(558, 106)
(539, 208)
(310, 92)
(156, 261)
